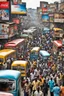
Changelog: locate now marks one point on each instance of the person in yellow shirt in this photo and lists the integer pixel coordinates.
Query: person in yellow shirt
(54, 67)
(35, 84)
(41, 83)
(43, 80)
(34, 63)
(61, 75)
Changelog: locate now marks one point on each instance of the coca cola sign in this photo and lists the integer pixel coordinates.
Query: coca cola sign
(4, 5)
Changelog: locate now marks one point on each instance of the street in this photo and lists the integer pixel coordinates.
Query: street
(31, 48)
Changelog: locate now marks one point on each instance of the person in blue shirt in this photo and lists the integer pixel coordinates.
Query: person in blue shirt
(56, 90)
(51, 84)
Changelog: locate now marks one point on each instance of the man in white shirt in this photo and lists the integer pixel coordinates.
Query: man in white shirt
(35, 72)
(32, 76)
(38, 92)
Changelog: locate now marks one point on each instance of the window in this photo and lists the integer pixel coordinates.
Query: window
(18, 68)
(7, 85)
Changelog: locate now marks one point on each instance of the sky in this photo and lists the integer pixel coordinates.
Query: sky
(36, 3)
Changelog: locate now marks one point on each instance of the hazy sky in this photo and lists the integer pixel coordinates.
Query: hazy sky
(35, 3)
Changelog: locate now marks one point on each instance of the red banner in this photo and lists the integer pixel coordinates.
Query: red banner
(4, 5)
(17, 21)
(44, 9)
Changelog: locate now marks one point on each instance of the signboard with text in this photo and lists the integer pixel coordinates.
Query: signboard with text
(51, 17)
(45, 18)
(5, 11)
(44, 10)
(19, 9)
(7, 30)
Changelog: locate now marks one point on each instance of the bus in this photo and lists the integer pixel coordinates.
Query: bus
(34, 53)
(5, 56)
(22, 66)
(30, 32)
(44, 55)
(18, 45)
(57, 46)
(46, 30)
(58, 33)
(10, 81)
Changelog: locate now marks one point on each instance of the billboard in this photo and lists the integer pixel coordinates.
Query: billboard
(44, 10)
(19, 9)
(4, 14)
(45, 17)
(7, 30)
(5, 11)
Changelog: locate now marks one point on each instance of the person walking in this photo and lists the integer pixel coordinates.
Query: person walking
(38, 92)
(35, 84)
(56, 90)
(51, 84)
(45, 88)
(26, 89)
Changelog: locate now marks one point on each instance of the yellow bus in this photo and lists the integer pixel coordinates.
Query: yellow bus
(6, 55)
(21, 66)
(34, 53)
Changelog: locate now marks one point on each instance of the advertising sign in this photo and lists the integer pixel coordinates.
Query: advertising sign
(6, 31)
(19, 9)
(45, 17)
(51, 17)
(4, 14)
(5, 11)
(4, 5)
(44, 10)
(3, 31)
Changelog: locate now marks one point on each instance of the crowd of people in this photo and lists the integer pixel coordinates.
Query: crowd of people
(47, 77)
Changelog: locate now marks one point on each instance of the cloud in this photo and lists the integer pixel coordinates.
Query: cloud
(36, 3)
